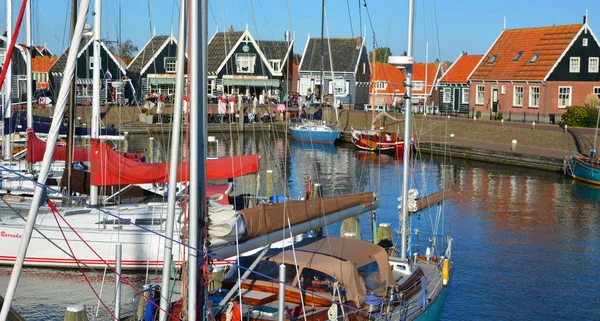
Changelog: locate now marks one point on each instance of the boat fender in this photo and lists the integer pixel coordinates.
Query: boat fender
(445, 272)
(332, 312)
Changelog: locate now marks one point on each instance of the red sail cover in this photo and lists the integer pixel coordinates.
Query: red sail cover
(110, 168)
(36, 148)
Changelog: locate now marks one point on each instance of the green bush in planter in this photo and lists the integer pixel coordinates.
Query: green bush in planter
(478, 114)
(499, 115)
(580, 116)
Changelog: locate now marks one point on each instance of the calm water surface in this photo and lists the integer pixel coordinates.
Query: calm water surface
(526, 242)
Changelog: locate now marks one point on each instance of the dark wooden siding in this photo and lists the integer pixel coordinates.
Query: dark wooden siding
(259, 67)
(561, 72)
(455, 104)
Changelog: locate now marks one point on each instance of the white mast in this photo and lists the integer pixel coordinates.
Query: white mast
(29, 45)
(95, 125)
(166, 272)
(407, 143)
(6, 144)
(52, 136)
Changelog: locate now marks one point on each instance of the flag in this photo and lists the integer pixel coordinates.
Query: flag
(108, 75)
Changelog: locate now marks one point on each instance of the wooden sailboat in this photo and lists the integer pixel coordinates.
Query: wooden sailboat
(585, 168)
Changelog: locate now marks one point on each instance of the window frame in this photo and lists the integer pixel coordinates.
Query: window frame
(570, 93)
(250, 59)
(477, 92)
(515, 92)
(585, 42)
(447, 95)
(381, 85)
(492, 59)
(418, 85)
(571, 66)
(597, 64)
(535, 57)
(518, 56)
(339, 87)
(170, 62)
(596, 91)
(466, 95)
(532, 101)
(275, 64)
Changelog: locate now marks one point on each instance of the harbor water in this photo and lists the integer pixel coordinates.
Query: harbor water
(526, 243)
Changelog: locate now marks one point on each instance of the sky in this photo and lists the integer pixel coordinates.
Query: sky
(448, 26)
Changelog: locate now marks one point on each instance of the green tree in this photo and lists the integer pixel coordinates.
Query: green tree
(297, 58)
(381, 54)
(126, 50)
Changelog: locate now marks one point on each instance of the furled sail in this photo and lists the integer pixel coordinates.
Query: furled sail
(110, 168)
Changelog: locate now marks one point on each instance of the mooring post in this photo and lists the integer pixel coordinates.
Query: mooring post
(126, 142)
(76, 312)
(150, 149)
(514, 145)
(118, 254)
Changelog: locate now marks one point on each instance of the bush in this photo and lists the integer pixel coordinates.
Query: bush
(580, 116)
(478, 114)
(499, 116)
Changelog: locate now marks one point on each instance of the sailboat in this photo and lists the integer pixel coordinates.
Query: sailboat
(585, 168)
(311, 130)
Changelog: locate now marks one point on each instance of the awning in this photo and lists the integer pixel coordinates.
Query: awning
(161, 81)
(84, 81)
(251, 82)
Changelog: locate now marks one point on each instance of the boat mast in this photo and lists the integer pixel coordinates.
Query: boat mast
(29, 45)
(374, 86)
(70, 113)
(6, 144)
(198, 133)
(322, 50)
(407, 142)
(52, 136)
(175, 141)
(95, 125)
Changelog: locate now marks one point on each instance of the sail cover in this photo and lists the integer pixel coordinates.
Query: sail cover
(266, 218)
(110, 168)
(36, 148)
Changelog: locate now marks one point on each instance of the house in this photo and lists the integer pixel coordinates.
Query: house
(40, 68)
(388, 84)
(112, 72)
(239, 64)
(453, 87)
(344, 70)
(19, 70)
(535, 73)
(153, 68)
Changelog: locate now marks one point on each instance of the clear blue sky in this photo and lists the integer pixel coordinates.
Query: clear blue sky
(464, 25)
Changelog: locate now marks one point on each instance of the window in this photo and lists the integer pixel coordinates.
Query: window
(170, 65)
(492, 59)
(593, 64)
(245, 63)
(534, 58)
(447, 98)
(597, 91)
(339, 87)
(519, 54)
(418, 85)
(275, 64)
(480, 94)
(518, 96)
(534, 96)
(564, 97)
(574, 66)
(371, 276)
(267, 270)
(381, 85)
(92, 62)
(585, 42)
(465, 96)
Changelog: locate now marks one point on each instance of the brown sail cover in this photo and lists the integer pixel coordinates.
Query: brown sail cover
(433, 199)
(266, 218)
(110, 168)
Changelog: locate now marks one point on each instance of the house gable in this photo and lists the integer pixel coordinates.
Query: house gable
(460, 69)
(345, 54)
(246, 39)
(561, 70)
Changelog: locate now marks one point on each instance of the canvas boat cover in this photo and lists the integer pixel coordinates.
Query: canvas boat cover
(267, 218)
(223, 222)
(110, 168)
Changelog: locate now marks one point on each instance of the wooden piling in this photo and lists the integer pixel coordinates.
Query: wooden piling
(150, 149)
(126, 142)
(269, 184)
(351, 225)
(384, 232)
(76, 312)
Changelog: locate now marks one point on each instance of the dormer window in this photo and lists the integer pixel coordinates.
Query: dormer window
(275, 64)
(492, 59)
(534, 58)
(381, 85)
(519, 54)
(245, 63)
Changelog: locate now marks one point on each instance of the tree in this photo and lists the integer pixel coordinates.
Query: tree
(297, 58)
(126, 50)
(381, 54)
(446, 65)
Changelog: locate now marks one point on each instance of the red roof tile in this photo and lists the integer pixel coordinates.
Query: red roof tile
(42, 64)
(461, 69)
(395, 77)
(548, 42)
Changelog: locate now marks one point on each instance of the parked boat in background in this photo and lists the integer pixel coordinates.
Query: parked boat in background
(378, 140)
(583, 168)
(313, 132)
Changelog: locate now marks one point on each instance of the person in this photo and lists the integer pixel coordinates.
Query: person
(161, 104)
(231, 104)
(592, 152)
(254, 104)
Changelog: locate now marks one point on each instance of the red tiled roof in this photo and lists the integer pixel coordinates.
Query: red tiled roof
(42, 64)
(461, 69)
(395, 77)
(548, 42)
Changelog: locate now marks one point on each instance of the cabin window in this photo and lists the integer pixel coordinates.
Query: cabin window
(534, 58)
(492, 59)
(267, 270)
(518, 96)
(170, 65)
(275, 64)
(381, 85)
(447, 96)
(480, 94)
(465, 96)
(534, 96)
(115, 222)
(574, 65)
(564, 96)
(518, 56)
(585, 42)
(418, 85)
(593, 65)
(371, 275)
(149, 221)
(245, 63)
(597, 92)
(316, 281)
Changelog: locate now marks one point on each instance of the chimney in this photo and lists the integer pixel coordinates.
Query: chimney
(584, 19)
(359, 41)
(231, 29)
